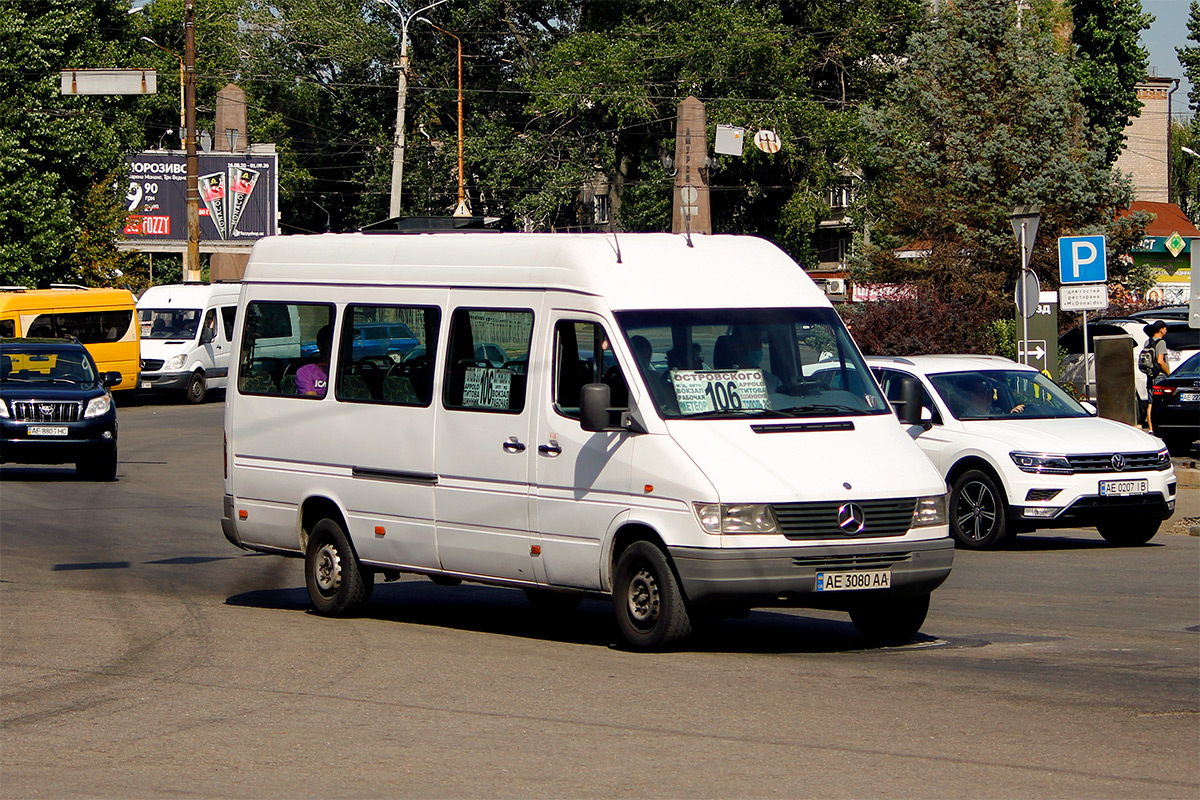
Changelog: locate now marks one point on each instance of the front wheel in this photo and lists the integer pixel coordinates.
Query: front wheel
(649, 604)
(890, 621)
(338, 584)
(1128, 531)
(978, 512)
(195, 389)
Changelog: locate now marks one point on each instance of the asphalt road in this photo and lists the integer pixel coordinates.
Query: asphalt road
(144, 656)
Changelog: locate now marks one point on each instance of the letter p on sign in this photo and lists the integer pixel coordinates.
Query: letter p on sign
(1082, 259)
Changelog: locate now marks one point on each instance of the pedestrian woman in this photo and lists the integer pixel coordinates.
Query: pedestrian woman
(1156, 331)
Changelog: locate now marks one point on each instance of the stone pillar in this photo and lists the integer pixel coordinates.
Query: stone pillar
(690, 211)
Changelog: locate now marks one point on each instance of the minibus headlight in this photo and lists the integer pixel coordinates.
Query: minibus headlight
(1042, 463)
(930, 511)
(98, 406)
(176, 362)
(736, 518)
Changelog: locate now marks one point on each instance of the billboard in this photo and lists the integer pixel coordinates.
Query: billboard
(239, 197)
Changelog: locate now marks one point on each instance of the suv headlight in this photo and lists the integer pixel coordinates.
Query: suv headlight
(1044, 463)
(930, 511)
(98, 406)
(4, 409)
(736, 517)
(176, 362)
(1164, 459)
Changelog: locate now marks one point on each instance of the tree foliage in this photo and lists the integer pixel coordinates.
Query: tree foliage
(60, 155)
(1109, 62)
(985, 115)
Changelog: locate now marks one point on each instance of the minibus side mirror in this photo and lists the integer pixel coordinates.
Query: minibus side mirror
(206, 336)
(909, 411)
(593, 406)
(110, 378)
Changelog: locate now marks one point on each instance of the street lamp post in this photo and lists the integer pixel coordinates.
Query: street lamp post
(462, 210)
(182, 81)
(401, 99)
(191, 263)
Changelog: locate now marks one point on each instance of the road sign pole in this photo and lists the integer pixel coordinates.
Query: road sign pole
(1024, 282)
(1087, 368)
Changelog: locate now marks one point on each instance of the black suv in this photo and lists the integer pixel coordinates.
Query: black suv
(55, 407)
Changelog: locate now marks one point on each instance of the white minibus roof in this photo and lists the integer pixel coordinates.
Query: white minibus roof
(630, 270)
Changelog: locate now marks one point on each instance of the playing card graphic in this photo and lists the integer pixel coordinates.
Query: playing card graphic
(242, 181)
(212, 192)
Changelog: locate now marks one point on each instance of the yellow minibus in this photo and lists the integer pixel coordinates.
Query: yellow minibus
(103, 320)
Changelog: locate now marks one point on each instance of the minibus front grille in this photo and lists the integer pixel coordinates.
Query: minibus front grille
(151, 364)
(867, 518)
(853, 561)
(45, 411)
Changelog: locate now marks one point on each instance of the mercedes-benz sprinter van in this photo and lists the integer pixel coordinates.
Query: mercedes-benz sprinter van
(187, 335)
(681, 424)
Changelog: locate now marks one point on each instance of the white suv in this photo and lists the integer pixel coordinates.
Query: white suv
(1019, 454)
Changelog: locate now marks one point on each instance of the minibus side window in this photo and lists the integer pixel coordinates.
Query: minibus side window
(89, 327)
(582, 355)
(8, 327)
(228, 316)
(278, 341)
(400, 372)
(474, 383)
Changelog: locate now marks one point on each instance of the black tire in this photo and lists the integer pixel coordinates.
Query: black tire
(978, 511)
(890, 621)
(1128, 531)
(650, 607)
(194, 393)
(549, 602)
(103, 468)
(337, 583)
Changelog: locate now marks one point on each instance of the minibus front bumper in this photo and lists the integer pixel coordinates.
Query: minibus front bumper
(164, 381)
(787, 576)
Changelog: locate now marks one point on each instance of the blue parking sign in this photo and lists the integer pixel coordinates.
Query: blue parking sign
(1082, 259)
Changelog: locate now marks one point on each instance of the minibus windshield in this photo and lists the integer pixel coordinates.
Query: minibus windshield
(750, 362)
(169, 323)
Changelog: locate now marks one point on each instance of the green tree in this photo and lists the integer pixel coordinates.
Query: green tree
(61, 156)
(985, 115)
(1109, 63)
(1189, 56)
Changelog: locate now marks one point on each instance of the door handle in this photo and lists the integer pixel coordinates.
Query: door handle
(551, 449)
(513, 446)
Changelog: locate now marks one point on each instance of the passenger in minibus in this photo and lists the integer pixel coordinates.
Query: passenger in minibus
(312, 380)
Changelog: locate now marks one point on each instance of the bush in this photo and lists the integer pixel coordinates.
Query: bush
(930, 323)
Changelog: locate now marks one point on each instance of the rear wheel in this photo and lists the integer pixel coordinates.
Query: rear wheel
(337, 583)
(891, 621)
(1128, 531)
(978, 512)
(649, 604)
(195, 389)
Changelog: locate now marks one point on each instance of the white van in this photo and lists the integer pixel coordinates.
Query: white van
(658, 431)
(187, 335)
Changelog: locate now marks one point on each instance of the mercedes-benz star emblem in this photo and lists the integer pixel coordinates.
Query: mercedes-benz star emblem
(851, 518)
(1118, 462)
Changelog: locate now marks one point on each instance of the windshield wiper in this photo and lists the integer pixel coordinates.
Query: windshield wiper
(817, 410)
(738, 412)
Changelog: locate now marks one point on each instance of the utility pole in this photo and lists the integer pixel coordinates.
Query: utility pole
(401, 100)
(462, 210)
(191, 262)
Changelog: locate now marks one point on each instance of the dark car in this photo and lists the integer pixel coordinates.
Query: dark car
(1177, 405)
(55, 407)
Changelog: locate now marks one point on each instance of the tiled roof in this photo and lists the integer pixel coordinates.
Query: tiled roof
(1169, 219)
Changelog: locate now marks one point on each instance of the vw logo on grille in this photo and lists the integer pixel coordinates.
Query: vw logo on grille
(851, 518)
(1118, 462)
(46, 410)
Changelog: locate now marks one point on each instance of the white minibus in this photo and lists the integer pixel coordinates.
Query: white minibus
(681, 424)
(187, 336)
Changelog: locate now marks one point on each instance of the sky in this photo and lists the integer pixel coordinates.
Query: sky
(1168, 31)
